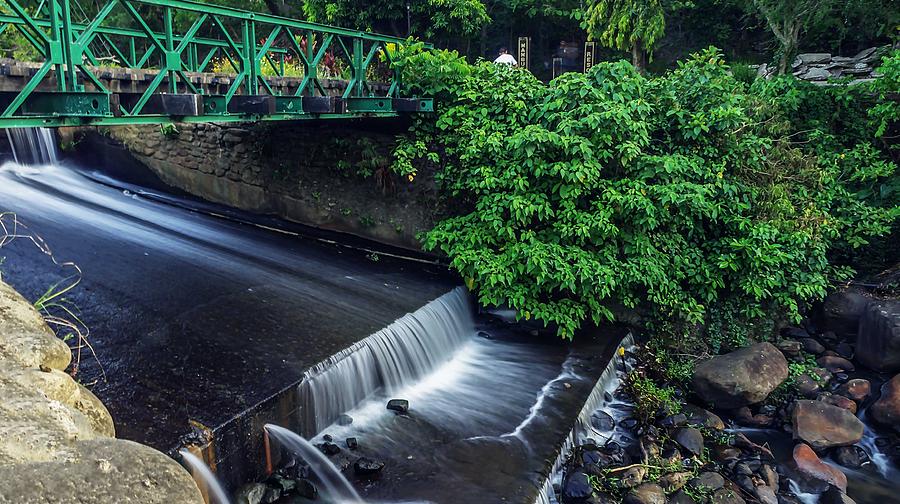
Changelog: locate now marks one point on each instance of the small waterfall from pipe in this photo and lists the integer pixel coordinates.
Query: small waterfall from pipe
(336, 485)
(597, 400)
(397, 355)
(201, 472)
(33, 146)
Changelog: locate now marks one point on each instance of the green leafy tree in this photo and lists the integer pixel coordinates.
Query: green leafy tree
(788, 20)
(627, 25)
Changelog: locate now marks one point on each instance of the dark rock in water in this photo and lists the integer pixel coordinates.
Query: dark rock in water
(835, 364)
(886, 410)
(812, 346)
(811, 474)
(850, 456)
(680, 497)
(703, 418)
(345, 420)
(398, 405)
(307, 489)
(607, 397)
(676, 420)
(841, 312)
(742, 377)
(591, 457)
(690, 439)
(327, 438)
(745, 483)
(882, 442)
(577, 488)
(352, 443)
(709, 480)
(856, 389)
(825, 426)
(746, 417)
(841, 377)
(602, 421)
(845, 350)
(727, 496)
(272, 494)
(330, 448)
(484, 334)
(835, 496)
(286, 485)
(629, 423)
(646, 493)
(365, 466)
(879, 336)
(251, 493)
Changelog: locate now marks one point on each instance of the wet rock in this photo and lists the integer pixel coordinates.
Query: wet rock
(271, 496)
(365, 466)
(703, 418)
(811, 345)
(328, 438)
(742, 377)
(856, 389)
(839, 401)
(577, 488)
(766, 494)
(879, 336)
(809, 386)
(251, 493)
(835, 364)
(681, 497)
(835, 496)
(746, 417)
(726, 496)
(629, 423)
(602, 421)
(789, 347)
(811, 474)
(844, 350)
(769, 475)
(307, 489)
(825, 426)
(709, 480)
(329, 448)
(886, 410)
(674, 481)
(398, 405)
(632, 477)
(646, 493)
(725, 454)
(690, 439)
(841, 312)
(352, 443)
(853, 457)
(345, 420)
(794, 332)
(676, 420)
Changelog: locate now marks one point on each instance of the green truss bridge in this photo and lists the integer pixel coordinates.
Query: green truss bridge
(161, 61)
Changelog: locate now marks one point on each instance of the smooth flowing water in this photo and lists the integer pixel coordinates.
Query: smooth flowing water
(33, 146)
(205, 478)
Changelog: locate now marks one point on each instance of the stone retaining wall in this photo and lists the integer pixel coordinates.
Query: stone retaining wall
(57, 440)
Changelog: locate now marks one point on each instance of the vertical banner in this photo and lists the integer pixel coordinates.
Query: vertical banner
(590, 54)
(523, 54)
(557, 67)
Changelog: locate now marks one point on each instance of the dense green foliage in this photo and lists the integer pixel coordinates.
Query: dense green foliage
(672, 194)
(627, 25)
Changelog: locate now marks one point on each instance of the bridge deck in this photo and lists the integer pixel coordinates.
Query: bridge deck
(192, 62)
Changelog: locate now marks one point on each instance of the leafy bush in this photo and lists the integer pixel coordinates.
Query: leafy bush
(651, 400)
(674, 193)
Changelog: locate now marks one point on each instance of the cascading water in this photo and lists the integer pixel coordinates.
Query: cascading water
(33, 146)
(336, 485)
(398, 355)
(203, 475)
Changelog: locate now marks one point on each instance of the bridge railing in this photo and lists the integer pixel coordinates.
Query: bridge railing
(177, 41)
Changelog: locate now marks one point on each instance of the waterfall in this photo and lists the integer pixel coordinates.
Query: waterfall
(336, 485)
(597, 400)
(33, 146)
(202, 474)
(401, 353)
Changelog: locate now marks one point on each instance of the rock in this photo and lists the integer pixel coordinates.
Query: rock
(841, 312)
(811, 474)
(825, 426)
(813, 58)
(632, 477)
(602, 421)
(307, 489)
(690, 439)
(856, 389)
(329, 448)
(835, 496)
(812, 346)
(251, 493)
(725, 454)
(345, 420)
(681, 497)
(577, 488)
(709, 480)
(364, 466)
(844, 350)
(746, 417)
(676, 420)
(766, 494)
(835, 364)
(700, 417)
(853, 457)
(646, 493)
(769, 475)
(866, 55)
(352, 443)
(879, 336)
(742, 377)
(809, 386)
(839, 401)
(886, 410)
(674, 481)
(789, 347)
(271, 496)
(398, 405)
(816, 74)
(726, 496)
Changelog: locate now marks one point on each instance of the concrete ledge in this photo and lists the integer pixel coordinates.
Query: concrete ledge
(57, 440)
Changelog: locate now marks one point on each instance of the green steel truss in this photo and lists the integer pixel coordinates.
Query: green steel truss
(175, 52)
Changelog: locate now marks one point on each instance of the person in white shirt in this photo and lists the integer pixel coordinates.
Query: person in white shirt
(505, 58)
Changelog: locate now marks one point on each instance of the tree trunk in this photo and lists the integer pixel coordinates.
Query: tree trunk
(638, 56)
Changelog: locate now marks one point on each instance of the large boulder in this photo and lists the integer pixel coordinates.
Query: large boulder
(841, 312)
(813, 475)
(886, 409)
(878, 343)
(824, 425)
(742, 377)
